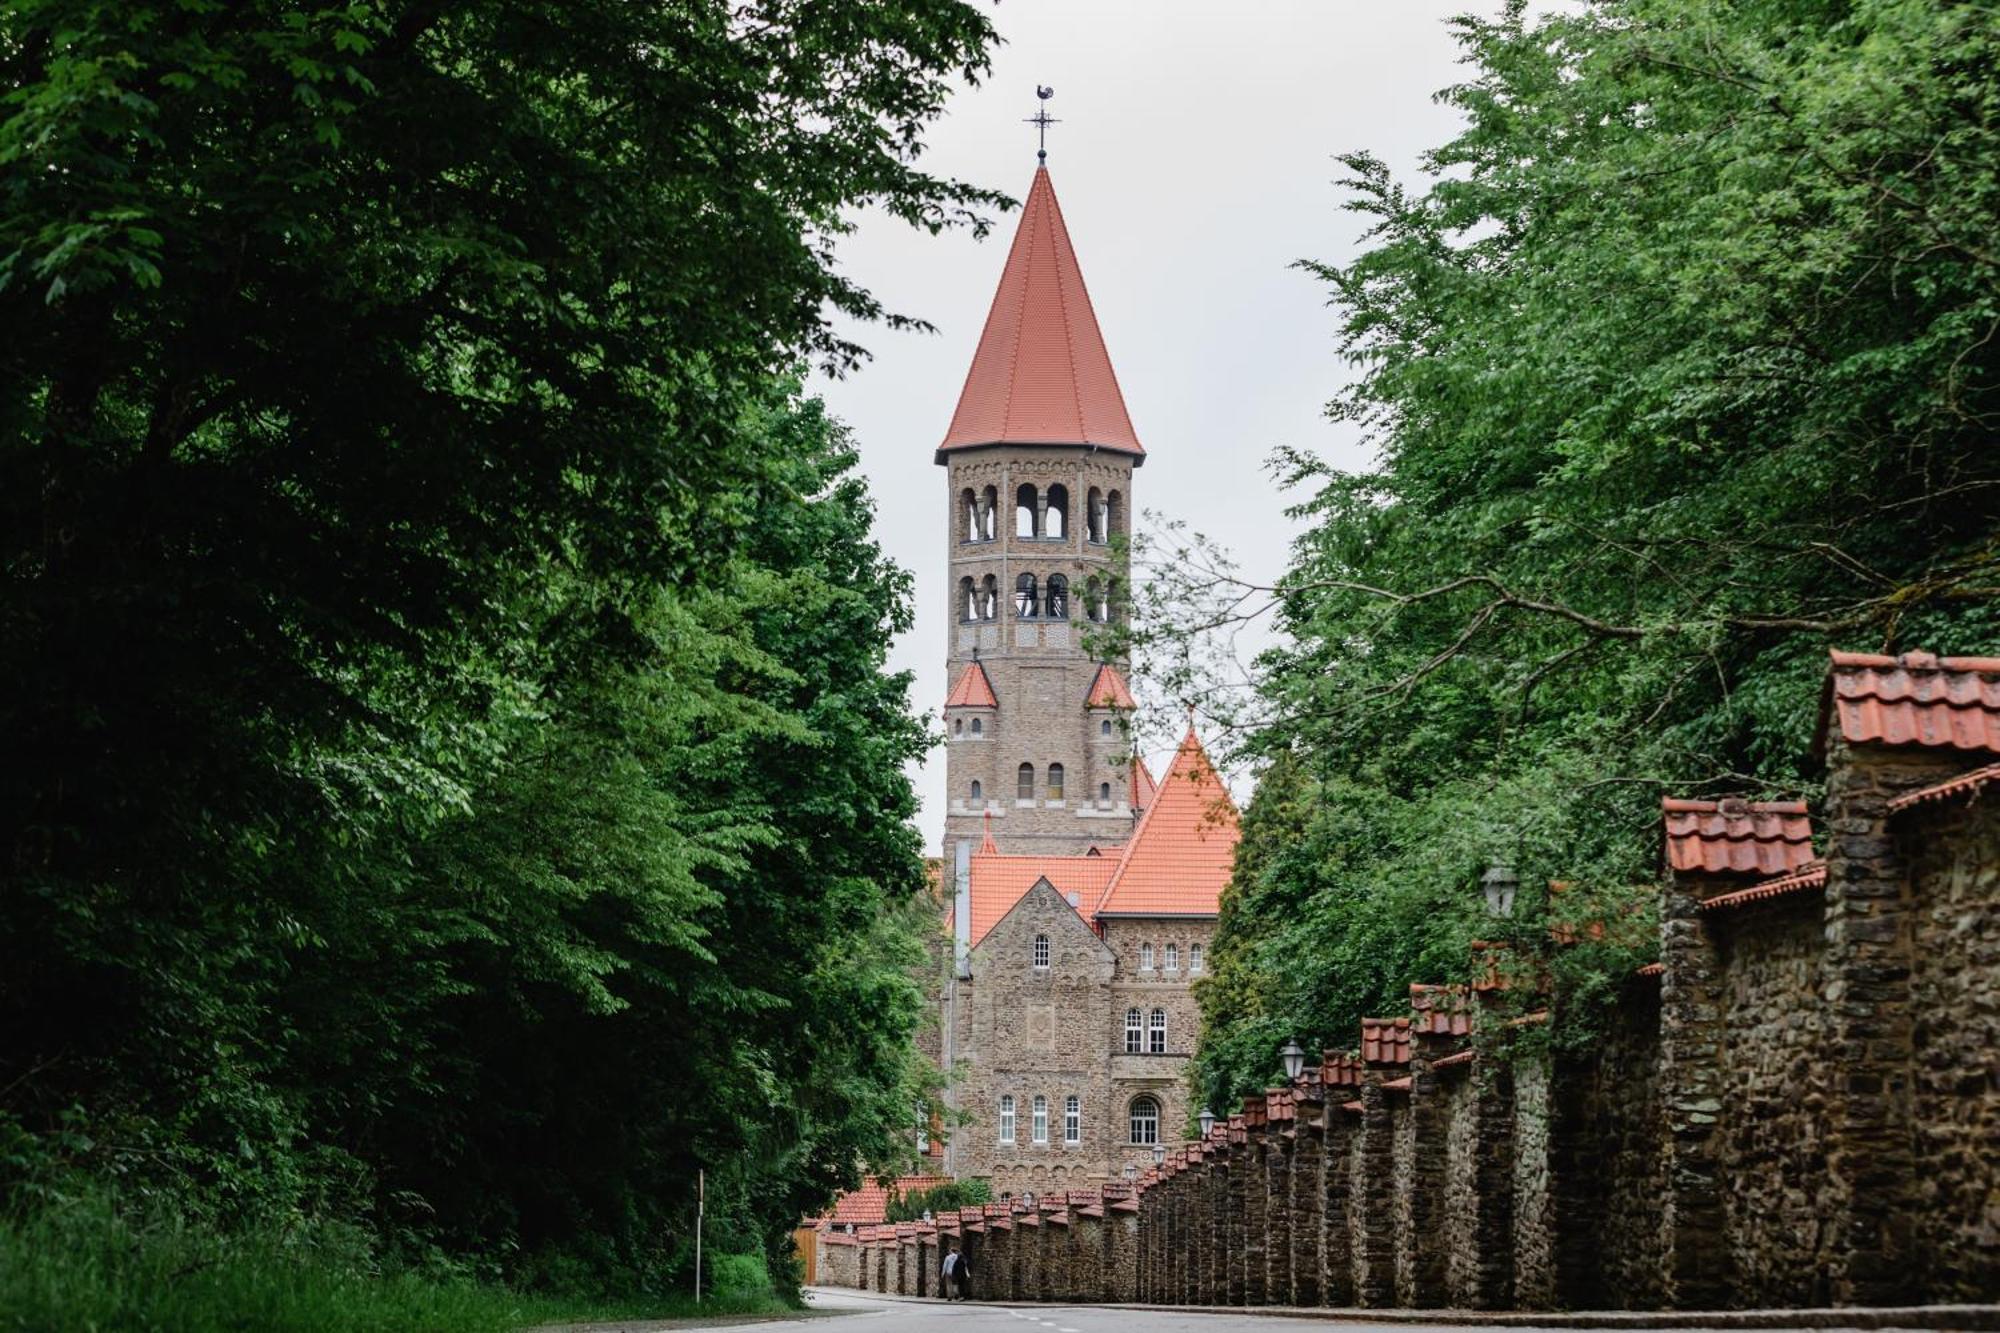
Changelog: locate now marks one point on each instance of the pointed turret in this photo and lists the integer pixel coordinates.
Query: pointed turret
(1041, 374)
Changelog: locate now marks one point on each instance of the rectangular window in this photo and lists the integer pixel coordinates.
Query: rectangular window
(1073, 1120)
(1041, 1121)
(1157, 1043)
(1134, 1032)
(1042, 952)
(1006, 1120)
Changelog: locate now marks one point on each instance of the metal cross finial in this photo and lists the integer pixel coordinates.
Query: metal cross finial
(1041, 120)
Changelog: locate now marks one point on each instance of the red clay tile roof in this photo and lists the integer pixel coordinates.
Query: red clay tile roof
(1456, 1058)
(1950, 703)
(1340, 1067)
(1108, 690)
(1184, 849)
(997, 882)
(1734, 837)
(1807, 878)
(1440, 1010)
(973, 690)
(870, 1203)
(1041, 374)
(1143, 787)
(1965, 784)
(1385, 1041)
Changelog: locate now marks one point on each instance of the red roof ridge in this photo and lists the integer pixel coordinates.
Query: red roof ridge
(1026, 385)
(1918, 699)
(1734, 836)
(1917, 660)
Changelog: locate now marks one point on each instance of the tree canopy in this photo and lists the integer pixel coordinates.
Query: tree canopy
(1679, 366)
(451, 777)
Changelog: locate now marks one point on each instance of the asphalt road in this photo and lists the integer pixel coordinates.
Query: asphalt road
(868, 1312)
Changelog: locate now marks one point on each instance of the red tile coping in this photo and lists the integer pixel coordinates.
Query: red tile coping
(1455, 1059)
(1809, 877)
(1652, 970)
(1950, 703)
(1529, 1020)
(1340, 1068)
(1041, 374)
(1965, 784)
(1440, 1010)
(1352, 1106)
(1733, 836)
(1385, 1041)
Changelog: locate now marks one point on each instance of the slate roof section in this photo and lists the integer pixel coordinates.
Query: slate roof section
(1947, 703)
(973, 690)
(1965, 784)
(1041, 374)
(1109, 690)
(1184, 849)
(1737, 837)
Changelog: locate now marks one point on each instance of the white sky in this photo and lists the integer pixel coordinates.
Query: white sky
(1194, 163)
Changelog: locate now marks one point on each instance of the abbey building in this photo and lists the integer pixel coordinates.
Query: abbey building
(1082, 894)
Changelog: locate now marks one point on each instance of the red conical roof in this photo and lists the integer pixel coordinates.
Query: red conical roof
(973, 690)
(1041, 374)
(1109, 690)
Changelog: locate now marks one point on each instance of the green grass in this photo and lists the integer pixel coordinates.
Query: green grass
(81, 1266)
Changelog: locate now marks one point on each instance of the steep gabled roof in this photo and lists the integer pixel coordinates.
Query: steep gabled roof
(1184, 849)
(1109, 690)
(1041, 374)
(973, 690)
(1140, 780)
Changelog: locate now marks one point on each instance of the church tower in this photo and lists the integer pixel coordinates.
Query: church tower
(1039, 459)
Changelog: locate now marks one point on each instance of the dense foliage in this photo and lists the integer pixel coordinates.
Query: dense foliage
(938, 1199)
(1680, 366)
(450, 777)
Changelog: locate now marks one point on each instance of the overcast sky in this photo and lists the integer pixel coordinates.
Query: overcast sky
(1194, 163)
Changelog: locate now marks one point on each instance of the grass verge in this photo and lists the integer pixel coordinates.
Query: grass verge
(81, 1265)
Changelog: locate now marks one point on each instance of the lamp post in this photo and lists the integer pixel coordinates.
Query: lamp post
(1294, 1056)
(1207, 1122)
(1159, 1153)
(1500, 883)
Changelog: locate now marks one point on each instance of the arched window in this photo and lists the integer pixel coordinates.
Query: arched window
(1135, 1031)
(1100, 601)
(989, 598)
(977, 796)
(1094, 516)
(968, 600)
(1039, 1125)
(1055, 521)
(1042, 953)
(1090, 598)
(958, 727)
(1104, 794)
(1156, 1033)
(1104, 727)
(1114, 517)
(1024, 512)
(1173, 958)
(1055, 787)
(1194, 958)
(1024, 783)
(1057, 602)
(1072, 1119)
(1145, 958)
(969, 508)
(978, 726)
(989, 509)
(1145, 1120)
(1025, 601)
(1007, 1119)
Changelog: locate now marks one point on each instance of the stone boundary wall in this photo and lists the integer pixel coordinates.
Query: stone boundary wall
(1799, 1104)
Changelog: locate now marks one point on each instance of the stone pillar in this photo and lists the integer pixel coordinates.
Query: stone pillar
(883, 1268)
(1693, 1226)
(1233, 1213)
(1277, 1203)
(1256, 1204)
(1428, 1130)
(1870, 929)
(1307, 1191)
(1373, 1202)
(926, 1247)
(1493, 1180)
(1337, 1221)
(1215, 1245)
(1114, 1286)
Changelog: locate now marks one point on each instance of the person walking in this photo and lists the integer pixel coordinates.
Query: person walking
(953, 1260)
(962, 1271)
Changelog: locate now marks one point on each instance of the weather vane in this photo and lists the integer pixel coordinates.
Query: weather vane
(1041, 120)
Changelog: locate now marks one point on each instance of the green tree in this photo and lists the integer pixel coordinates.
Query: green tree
(1680, 367)
(450, 773)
